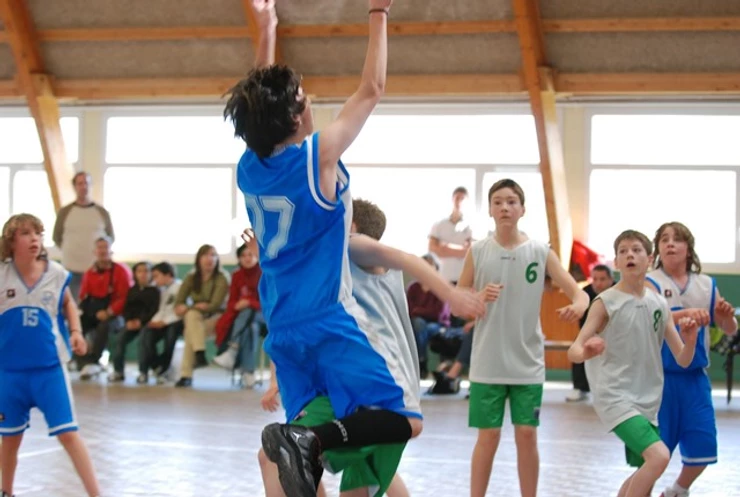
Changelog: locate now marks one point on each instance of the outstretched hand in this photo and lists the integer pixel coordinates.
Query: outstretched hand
(689, 329)
(380, 4)
(467, 303)
(269, 400)
(594, 346)
(264, 12)
(570, 313)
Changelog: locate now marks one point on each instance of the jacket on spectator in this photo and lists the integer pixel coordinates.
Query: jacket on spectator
(141, 304)
(243, 286)
(167, 297)
(96, 282)
(424, 304)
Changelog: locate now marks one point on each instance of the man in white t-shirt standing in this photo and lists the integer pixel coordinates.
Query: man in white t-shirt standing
(450, 238)
(77, 227)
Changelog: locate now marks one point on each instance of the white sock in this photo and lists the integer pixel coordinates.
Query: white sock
(682, 492)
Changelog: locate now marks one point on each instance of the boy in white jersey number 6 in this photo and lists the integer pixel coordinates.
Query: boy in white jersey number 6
(35, 346)
(508, 358)
(621, 342)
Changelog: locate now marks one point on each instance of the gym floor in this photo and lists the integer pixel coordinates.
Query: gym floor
(162, 441)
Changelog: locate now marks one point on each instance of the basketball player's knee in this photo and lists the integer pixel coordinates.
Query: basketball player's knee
(417, 425)
(657, 455)
(489, 437)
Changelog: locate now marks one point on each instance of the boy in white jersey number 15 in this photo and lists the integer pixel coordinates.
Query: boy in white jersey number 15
(34, 347)
(508, 357)
(621, 343)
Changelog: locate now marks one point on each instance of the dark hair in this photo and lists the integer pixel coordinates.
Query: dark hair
(148, 267)
(603, 268)
(684, 234)
(507, 183)
(165, 268)
(368, 218)
(460, 189)
(635, 236)
(263, 107)
(240, 250)
(198, 278)
(77, 175)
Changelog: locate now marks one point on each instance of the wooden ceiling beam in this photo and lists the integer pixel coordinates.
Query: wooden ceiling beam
(539, 81)
(421, 28)
(39, 93)
(421, 85)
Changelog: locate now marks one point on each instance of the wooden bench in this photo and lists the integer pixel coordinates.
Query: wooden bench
(561, 345)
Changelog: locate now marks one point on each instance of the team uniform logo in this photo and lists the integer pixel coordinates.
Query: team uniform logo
(668, 293)
(10, 293)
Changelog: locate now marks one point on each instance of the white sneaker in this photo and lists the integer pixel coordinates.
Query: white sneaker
(227, 359)
(89, 371)
(672, 492)
(248, 380)
(576, 396)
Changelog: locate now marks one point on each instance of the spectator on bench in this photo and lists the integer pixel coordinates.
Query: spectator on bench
(165, 325)
(102, 297)
(200, 301)
(242, 321)
(141, 305)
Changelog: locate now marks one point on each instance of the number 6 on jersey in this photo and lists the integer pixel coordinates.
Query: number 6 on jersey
(279, 205)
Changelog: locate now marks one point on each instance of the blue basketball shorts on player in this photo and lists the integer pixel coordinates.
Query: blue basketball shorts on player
(332, 354)
(686, 417)
(48, 389)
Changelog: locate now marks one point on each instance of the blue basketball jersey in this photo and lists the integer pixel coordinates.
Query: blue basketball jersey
(32, 330)
(302, 236)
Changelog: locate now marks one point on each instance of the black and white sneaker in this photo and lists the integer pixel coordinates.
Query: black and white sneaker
(295, 450)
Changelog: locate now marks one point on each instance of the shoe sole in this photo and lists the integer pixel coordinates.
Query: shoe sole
(283, 452)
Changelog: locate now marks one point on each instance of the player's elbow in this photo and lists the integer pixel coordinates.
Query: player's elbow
(417, 425)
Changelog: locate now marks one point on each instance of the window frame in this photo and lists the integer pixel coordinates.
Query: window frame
(702, 109)
(168, 111)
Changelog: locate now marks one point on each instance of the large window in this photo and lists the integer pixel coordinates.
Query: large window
(31, 194)
(652, 168)
(20, 144)
(629, 199)
(446, 139)
(5, 188)
(171, 140)
(169, 210)
(412, 198)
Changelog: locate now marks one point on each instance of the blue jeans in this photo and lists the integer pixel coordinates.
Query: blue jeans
(423, 331)
(246, 334)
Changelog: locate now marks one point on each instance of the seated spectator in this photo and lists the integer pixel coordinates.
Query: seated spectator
(447, 376)
(427, 314)
(142, 303)
(164, 325)
(102, 297)
(200, 302)
(240, 324)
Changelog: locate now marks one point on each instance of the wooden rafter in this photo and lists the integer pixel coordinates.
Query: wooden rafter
(38, 90)
(420, 28)
(421, 85)
(539, 82)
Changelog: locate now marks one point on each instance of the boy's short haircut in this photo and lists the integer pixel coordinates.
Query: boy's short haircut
(506, 183)
(240, 250)
(78, 174)
(166, 269)
(460, 189)
(634, 235)
(603, 268)
(263, 108)
(368, 218)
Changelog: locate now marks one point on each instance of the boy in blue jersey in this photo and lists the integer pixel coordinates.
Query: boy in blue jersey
(379, 289)
(34, 346)
(298, 201)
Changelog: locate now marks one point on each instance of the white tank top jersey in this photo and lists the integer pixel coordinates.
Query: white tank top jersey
(627, 379)
(508, 344)
(32, 330)
(699, 293)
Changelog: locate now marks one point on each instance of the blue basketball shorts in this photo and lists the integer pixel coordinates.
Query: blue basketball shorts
(336, 353)
(48, 389)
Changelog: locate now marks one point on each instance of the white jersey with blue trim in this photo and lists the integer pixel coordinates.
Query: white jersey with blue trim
(303, 237)
(699, 293)
(32, 330)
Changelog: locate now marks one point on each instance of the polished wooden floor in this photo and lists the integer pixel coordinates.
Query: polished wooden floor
(161, 441)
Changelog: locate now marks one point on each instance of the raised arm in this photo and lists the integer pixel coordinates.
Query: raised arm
(266, 19)
(367, 252)
(587, 344)
(340, 134)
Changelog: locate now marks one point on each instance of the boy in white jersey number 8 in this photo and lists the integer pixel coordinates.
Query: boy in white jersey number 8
(508, 358)
(34, 347)
(621, 343)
